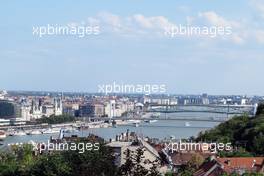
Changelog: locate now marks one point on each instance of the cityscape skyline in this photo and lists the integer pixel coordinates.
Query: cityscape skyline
(130, 88)
(120, 93)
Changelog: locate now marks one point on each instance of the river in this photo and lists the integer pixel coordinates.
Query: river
(160, 129)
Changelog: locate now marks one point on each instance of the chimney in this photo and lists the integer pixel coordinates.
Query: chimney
(228, 162)
(212, 158)
(254, 162)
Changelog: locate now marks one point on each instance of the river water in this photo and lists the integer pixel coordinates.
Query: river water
(160, 129)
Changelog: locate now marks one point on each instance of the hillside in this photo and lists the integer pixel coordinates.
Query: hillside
(245, 133)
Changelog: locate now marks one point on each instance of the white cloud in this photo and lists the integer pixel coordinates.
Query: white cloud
(214, 19)
(237, 39)
(154, 26)
(259, 5)
(259, 34)
(155, 22)
(110, 19)
(143, 21)
(132, 25)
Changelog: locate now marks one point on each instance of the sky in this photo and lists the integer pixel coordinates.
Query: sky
(131, 47)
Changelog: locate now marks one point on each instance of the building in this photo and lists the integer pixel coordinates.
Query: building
(98, 109)
(17, 121)
(39, 107)
(244, 101)
(205, 99)
(58, 106)
(234, 165)
(9, 109)
(92, 110)
(193, 101)
(130, 141)
(110, 108)
(48, 110)
(2, 94)
(4, 122)
(25, 112)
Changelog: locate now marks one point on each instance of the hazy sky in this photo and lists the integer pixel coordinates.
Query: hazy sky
(131, 47)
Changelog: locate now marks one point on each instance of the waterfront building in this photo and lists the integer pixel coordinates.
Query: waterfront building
(9, 109)
(98, 109)
(68, 109)
(173, 101)
(3, 94)
(146, 99)
(205, 99)
(48, 110)
(244, 101)
(193, 101)
(25, 112)
(40, 107)
(36, 109)
(17, 121)
(58, 106)
(4, 122)
(92, 110)
(110, 108)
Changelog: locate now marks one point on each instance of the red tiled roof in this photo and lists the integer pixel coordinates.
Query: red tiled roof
(218, 166)
(184, 158)
(204, 168)
(211, 168)
(250, 164)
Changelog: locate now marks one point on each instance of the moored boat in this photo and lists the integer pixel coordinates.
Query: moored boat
(187, 124)
(2, 135)
(50, 131)
(34, 132)
(136, 124)
(150, 121)
(18, 133)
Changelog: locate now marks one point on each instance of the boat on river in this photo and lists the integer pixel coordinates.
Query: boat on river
(51, 131)
(2, 135)
(187, 124)
(17, 133)
(150, 121)
(34, 132)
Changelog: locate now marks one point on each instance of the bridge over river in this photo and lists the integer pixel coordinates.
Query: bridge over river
(222, 109)
(214, 113)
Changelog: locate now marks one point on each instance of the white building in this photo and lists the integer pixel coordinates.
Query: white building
(173, 101)
(58, 106)
(205, 101)
(4, 122)
(25, 112)
(244, 101)
(48, 110)
(2, 94)
(37, 110)
(110, 108)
